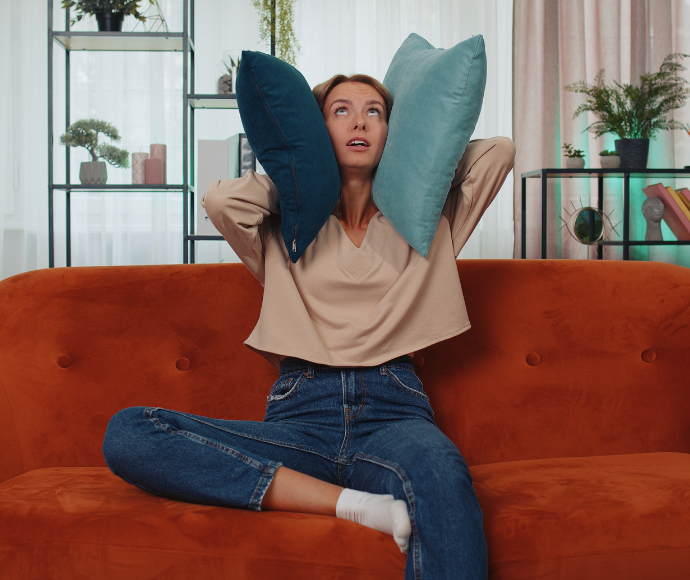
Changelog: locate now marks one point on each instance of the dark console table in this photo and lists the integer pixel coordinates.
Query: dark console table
(619, 172)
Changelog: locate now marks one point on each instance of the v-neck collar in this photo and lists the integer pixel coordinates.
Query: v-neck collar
(357, 261)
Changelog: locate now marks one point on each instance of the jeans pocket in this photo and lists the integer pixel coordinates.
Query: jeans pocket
(286, 386)
(407, 381)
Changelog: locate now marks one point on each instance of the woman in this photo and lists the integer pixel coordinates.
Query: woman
(348, 430)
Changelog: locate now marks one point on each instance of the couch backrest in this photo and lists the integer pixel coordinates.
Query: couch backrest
(553, 366)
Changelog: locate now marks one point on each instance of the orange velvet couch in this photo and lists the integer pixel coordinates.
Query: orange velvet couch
(569, 398)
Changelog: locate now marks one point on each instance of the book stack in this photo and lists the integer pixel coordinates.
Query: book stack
(676, 208)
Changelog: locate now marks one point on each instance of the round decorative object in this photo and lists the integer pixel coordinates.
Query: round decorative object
(183, 364)
(633, 152)
(588, 225)
(93, 173)
(610, 161)
(574, 162)
(648, 355)
(64, 361)
(533, 359)
(109, 22)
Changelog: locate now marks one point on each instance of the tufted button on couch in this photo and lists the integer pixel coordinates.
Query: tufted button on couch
(569, 399)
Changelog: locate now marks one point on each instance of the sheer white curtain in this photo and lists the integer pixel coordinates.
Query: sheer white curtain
(141, 94)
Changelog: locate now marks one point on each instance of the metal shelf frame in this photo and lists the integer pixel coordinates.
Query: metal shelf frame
(619, 172)
(126, 41)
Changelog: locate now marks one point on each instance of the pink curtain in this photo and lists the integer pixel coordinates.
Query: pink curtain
(557, 43)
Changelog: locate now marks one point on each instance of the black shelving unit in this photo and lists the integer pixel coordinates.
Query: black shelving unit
(131, 41)
(619, 172)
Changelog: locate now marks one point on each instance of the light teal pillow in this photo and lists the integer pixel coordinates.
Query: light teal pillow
(437, 98)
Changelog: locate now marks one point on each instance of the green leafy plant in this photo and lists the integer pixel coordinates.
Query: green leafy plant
(85, 7)
(606, 153)
(635, 112)
(572, 153)
(233, 64)
(276, 27)
(84, 133)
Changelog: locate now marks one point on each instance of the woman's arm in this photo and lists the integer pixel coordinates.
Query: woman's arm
(480, 174)
(237, 208)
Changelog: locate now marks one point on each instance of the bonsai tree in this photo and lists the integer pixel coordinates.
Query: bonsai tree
(572, 153)
(85, 7)
(84, 133)
(635, 112)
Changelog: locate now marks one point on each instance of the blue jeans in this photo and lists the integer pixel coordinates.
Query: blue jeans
(365, 428)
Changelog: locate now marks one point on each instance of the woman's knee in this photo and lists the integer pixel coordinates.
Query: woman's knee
(123, 431)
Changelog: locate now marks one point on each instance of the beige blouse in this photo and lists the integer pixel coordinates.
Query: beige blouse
(341, 305)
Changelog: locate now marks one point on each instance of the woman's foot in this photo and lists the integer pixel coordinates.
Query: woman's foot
(381, 512)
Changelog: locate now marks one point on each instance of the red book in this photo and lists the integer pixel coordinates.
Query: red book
(673, 215)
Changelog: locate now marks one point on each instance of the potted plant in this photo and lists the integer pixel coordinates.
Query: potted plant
(609, 159)
(574, 158)
(109, 13)
(84, 133)
(635, 113)
(226, 82)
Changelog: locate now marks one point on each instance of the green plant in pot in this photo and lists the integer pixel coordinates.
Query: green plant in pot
(574, 158)
(276, 27)
(84, 133)
(635, 112)
(109, 13)
(609, 159)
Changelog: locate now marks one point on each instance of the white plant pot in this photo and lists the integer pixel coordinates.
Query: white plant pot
(93, 173)
(574, 162)
(610, 161)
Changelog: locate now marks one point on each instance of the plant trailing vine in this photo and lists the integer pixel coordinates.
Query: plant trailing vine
(635, 112)
(276, 28)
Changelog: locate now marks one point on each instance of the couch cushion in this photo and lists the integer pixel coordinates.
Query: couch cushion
(84, 522)
(605, 517)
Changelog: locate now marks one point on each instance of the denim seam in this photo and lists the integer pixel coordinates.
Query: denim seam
(204, 441)
(407, 486)
(253, 438)
(364, 396)
(255, 503)
(405, 388)
(295, 387)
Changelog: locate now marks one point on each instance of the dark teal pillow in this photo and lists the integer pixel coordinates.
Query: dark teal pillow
(437, 98)
(287, 132)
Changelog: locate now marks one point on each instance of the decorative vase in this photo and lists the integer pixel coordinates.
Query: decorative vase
(610, 161)
(93, 173)
(109, 21)
(225, 85)
(633, 152)
(574, 162)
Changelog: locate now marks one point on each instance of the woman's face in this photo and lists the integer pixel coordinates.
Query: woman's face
(355, 115)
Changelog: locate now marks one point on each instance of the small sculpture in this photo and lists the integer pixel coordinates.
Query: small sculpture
(653, 211)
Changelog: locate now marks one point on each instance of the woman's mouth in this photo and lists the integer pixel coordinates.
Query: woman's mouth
(358, 144)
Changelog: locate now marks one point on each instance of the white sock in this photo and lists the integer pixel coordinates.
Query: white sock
(381, 512)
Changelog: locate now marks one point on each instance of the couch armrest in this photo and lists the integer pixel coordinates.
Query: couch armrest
(11, 463)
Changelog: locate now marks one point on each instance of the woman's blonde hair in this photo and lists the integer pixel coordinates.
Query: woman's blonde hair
(322, 91)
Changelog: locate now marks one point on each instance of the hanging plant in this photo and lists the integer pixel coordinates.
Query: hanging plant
(276, 28)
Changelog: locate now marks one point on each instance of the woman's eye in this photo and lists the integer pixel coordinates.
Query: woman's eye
(376, 111)
(337, 111)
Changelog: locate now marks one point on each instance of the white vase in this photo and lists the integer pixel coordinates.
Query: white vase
(93, 173)
(574, 162)
(610, 161)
